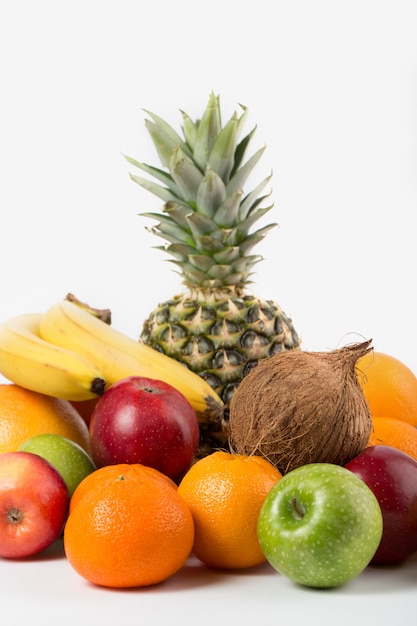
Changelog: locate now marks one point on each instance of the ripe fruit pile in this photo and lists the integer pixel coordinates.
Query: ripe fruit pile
(215, 434)
(138, 442)
(130, 524)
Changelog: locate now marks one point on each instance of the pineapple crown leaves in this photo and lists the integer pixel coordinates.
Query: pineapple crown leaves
(206, 219)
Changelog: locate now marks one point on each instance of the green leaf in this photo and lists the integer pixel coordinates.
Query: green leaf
(241, 149)
(162, 192)
(180, 250)
(209, 243)
(186, 176)
(252, 240)
(208, 128)
(211, 193)
(168, 229)
(219, 272)
(178, 211)
(244, 226)
(227, 214)
(221, 157)
(164, 137)
(239, 178)
(200, 225)
(227, 256)
(201, 261)
(189, 129)
(161, 175)
(190, 273)
(253, 199)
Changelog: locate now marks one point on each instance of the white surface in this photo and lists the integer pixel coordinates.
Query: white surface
(49, 592)
(332, 88)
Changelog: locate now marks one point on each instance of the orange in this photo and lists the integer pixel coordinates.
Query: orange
(105, 475)
(24, 414)
(129, 529)
(388, 431)
(390, 387)
(225, 493)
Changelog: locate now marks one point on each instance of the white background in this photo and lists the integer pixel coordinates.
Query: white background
(332, 88)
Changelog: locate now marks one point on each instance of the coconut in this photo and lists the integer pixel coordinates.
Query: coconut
(298, 407)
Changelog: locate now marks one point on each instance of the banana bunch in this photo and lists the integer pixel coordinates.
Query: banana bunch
(67, 350)
(38, 365)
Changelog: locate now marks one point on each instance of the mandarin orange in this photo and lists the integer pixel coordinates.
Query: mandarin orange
(225, 493)
(105, 476)
(390, 387)
(25, 413)
(388, 431)
(128, 530)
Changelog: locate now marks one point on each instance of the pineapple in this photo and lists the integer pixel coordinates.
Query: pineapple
(216, 327)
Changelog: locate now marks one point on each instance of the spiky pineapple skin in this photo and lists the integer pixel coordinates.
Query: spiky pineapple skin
(220, 336)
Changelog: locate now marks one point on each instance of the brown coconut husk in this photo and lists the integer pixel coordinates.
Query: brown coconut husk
(298, 407)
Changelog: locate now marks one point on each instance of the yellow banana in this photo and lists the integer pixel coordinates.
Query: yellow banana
(31, 362)
(72, 326)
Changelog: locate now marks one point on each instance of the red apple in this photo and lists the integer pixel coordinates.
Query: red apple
(141, 420)
(33, 504)
(392, 476)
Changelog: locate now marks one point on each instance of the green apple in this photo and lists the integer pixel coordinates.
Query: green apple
(71, 461)
(320, 525)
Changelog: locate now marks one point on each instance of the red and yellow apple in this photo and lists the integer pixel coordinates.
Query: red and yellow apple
(34, 504)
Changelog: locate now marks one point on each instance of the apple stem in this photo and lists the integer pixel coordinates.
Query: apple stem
(297, 508)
